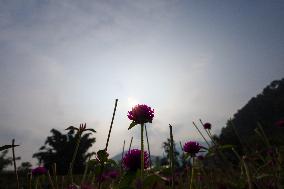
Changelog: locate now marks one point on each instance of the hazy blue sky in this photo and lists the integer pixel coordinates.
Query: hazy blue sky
(64, 62)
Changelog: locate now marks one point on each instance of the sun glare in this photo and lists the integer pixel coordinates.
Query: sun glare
(132, 102)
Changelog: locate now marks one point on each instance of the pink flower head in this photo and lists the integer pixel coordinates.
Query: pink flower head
(207, 126)
(113, 174)
(132, 160)
(141, 114)
(191, 147)
(39, 171)
(280, 123)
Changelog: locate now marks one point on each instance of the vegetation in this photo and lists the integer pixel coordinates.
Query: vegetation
(248, 154)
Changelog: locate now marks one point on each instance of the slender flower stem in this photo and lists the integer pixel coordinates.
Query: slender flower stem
(122, 154)
(172, 157)
(50, 180)
(150, 161)
(15, 166)
(200, 133)
(192, 174)
(30, 181)
(55, 175)
(142, 154)
(130, 144)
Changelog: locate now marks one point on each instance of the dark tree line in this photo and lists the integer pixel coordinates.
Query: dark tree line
(264, 109)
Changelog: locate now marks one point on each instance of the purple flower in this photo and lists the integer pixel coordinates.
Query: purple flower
(141, 114)
(39, 171)
(113, 174)
(207, 126)
(132, 160)
(191, 147)
(280, 123)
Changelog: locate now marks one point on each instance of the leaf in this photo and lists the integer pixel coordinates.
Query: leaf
(92, 130)
(112, 162)
(227, 146)
(72, 128)
(132, 125)
(263, 176)
(5, 147)
(102, 155)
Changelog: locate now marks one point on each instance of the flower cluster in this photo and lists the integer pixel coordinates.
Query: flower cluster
(141, 114)
(207, 126)
(132, 160)
(192, 148)
(39, 171)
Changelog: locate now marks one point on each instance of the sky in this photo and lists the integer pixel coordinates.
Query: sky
(65, 62)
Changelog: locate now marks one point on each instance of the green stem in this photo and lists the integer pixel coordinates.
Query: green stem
(192, 174)
(50, 180)
(201, 134)
(172, 156)
(148, 146)
(142, 154)
(130, 144)
(122, 154)
(15, 166)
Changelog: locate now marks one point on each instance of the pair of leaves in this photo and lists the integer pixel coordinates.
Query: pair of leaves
(75, 128)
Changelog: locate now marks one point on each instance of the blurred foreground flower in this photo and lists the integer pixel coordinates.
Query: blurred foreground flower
(192, 148)
(39, 171)
(280, 123)
(132, 160)
(141, 114)
(207, 126)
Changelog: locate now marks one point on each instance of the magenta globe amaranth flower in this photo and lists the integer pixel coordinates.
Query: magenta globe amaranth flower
(132, 160)
(207, 126)
(39, 171)
(191, 147)
(141, 114)
(280, 123)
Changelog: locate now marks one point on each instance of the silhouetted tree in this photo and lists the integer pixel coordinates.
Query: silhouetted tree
(5, 161)
(266, 108)
(59, 149)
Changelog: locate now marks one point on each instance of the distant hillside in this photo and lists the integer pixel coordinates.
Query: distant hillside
(266, 108)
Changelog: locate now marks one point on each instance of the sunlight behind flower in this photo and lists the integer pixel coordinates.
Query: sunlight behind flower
(132, 102)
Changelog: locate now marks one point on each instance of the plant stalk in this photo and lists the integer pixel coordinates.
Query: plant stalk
(15, 166)
(142, 154)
